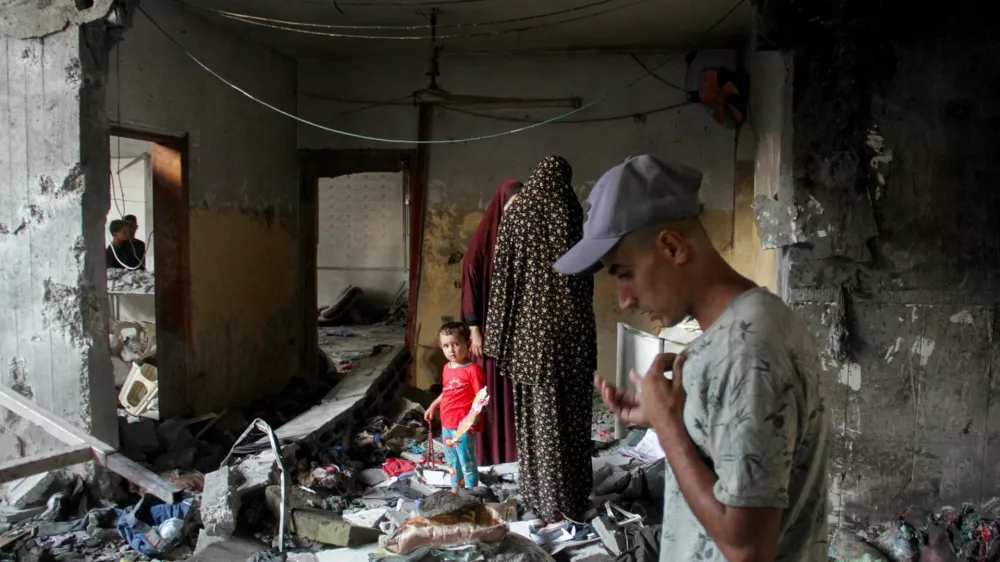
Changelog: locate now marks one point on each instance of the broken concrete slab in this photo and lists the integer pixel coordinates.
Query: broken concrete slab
(361, 387)
(318, 525)
(220, 502)
(12, 515)
(372, 476)
(369, 518)
(30, 491)
(225, 549)
(255, 472)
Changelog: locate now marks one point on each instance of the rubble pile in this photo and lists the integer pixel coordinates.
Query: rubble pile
(382, 496)
(341, 466)
(917, 534)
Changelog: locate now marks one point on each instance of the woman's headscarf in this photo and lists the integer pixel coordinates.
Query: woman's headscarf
(477, 267)
(539, 323)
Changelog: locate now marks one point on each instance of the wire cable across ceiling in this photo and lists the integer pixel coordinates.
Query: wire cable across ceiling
(446, 37)
(403, 27)
(559, 117)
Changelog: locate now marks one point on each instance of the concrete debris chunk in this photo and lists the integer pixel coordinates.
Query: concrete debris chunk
(372, 476)
(220, 503)
(255, 472)
(12, 515)
(318, 525)
(369, 518)
(225, 549)
(30, 491)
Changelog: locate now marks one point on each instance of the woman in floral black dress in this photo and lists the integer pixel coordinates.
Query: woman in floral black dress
(540, 328)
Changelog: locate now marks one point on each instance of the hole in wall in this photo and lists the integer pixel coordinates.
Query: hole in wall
(84, 4)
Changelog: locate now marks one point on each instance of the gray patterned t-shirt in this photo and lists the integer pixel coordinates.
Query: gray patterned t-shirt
(756, 410)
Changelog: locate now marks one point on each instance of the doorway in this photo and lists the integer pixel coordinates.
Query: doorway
(363, 229)
(147, 268)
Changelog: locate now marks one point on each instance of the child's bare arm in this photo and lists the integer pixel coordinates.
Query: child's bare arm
(429, 414)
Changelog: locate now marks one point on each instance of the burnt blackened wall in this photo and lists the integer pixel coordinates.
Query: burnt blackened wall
(892, 247)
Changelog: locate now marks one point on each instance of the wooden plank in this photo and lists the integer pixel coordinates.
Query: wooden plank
(51, 423)
(137, 474)
(44, 462)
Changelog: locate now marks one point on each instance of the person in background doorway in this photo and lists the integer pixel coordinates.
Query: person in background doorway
(743, 418)
(463, 379)
(138, 246)
(540, 328)
(497, 444)
(119, 254)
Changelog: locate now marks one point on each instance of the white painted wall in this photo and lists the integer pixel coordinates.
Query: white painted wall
(362, 236)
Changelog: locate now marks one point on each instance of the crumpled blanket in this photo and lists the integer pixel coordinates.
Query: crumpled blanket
(481, 523)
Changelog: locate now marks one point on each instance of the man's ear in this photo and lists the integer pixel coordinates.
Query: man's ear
(674, 244)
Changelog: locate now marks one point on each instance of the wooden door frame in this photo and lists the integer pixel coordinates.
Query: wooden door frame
(315, 164)
(171, 214)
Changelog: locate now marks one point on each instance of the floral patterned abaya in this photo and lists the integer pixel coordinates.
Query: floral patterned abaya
(540, 328)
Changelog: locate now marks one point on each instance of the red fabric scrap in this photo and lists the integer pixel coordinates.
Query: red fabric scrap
(395, 467)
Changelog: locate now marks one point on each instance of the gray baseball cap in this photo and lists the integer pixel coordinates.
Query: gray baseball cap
(640, 192)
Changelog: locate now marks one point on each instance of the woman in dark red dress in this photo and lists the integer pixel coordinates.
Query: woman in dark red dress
(497, 444)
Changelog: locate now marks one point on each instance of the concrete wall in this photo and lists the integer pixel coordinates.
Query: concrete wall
(246, 286)
(886, 203)
(53, 201)
(463, 177)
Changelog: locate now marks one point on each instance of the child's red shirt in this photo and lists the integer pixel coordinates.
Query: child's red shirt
(461, 384)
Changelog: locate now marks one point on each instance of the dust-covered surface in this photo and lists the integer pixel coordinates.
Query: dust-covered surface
(131, 281)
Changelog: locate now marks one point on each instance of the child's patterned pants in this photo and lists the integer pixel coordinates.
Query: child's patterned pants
(461, 458)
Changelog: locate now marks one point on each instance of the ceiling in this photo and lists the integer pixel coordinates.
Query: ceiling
(577, 25)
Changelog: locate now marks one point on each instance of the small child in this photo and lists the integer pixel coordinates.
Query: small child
(462, 379)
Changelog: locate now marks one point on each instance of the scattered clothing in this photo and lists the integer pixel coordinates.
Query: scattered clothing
(460, 455)
(395, 467)
(152, 527)
(497, 442)
(754, 392)
(540, 328)
(461, 384)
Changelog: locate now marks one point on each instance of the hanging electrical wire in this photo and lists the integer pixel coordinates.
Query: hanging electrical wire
(440, 37)
(656, 76)
(373, 105)
(598, 100)
(633, 115)
(404, 27)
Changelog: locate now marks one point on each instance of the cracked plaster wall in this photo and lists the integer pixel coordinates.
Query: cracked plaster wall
(53, 197)
(246, 275)
(463, 177)
(881, 186)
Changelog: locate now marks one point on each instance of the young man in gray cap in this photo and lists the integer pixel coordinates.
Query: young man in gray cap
(742, 414)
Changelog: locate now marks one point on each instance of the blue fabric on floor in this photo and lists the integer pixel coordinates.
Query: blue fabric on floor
(138, 526)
